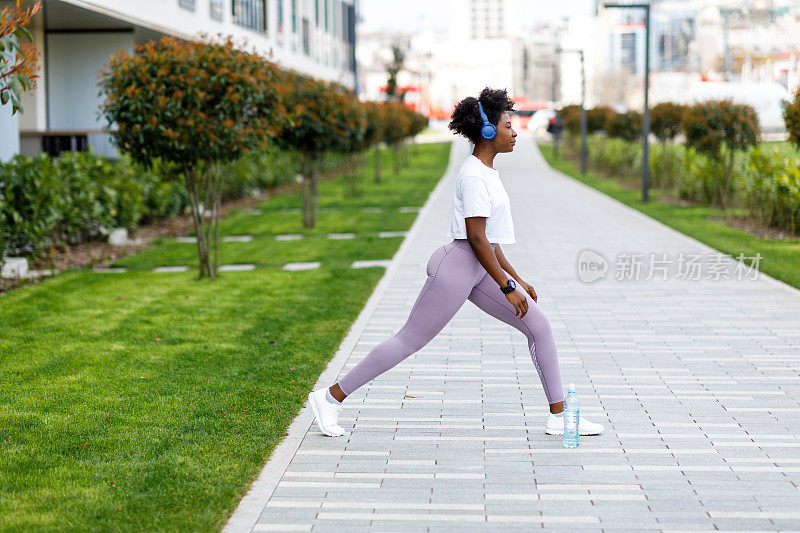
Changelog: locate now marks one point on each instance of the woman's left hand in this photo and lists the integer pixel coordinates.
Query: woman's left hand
(529, 289)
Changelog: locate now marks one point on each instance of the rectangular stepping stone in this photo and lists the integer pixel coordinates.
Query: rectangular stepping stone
(14, 267)
(171, 269)
(110, 270)
(385, 234)
(252, 211)
(409, 209)
(371, 209)
(186, 239)
(301, 266)
(237, 238)
(371, 263)
(289, 237)
(39, 273)
(235, 268)
(341, 235)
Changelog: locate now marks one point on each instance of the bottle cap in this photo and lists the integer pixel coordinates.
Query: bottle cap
(571, 387)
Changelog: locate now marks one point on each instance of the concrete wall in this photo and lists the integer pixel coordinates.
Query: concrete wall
(74, 62)
(9, 133)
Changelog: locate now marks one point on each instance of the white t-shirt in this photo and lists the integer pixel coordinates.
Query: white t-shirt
(478, 192)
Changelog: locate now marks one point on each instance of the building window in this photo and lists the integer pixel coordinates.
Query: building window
(335, 8)
(280, 19)
(294, 16)
(188, 4)
(306, 47)
(215, 9)
(251, 14)
(327, 25)
(316, 11)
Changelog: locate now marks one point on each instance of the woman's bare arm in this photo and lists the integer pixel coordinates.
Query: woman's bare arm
(501, 259)
(476, 235)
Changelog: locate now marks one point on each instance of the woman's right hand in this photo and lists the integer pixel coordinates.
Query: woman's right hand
(519, 302)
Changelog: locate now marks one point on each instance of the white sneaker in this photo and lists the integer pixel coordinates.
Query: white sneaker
(325, 413)
(555, 426)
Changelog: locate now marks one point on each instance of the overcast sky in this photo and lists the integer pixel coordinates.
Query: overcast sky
(433, 14)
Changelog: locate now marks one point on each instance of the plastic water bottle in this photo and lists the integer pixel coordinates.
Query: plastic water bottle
(572, 413)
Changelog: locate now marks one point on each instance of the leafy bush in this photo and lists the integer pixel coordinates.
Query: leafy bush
(666, 162)
(699, 176)
(258, 171)
(599, 118)
(32, 194)
(772, 189)
(665, 120)
(627, 126)
(614, 155)
(718, 129)
(791, 117)
(571, 115)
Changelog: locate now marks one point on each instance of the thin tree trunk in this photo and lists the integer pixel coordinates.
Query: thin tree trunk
(220, 178)
(191, 187)
(310, 189)
(208, 226)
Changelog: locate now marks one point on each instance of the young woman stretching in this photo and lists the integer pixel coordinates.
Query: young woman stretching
(471, 267)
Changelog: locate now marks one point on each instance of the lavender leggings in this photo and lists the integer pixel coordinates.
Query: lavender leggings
(454, 276)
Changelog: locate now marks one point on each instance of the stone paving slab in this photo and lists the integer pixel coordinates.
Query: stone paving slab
(697, 382)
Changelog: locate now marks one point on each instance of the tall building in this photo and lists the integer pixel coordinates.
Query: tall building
(480, 19)
(76, 38)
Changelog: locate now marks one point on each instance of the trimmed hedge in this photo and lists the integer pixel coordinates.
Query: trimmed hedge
(48, 203)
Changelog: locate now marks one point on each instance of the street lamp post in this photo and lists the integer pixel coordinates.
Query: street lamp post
(583, 107)
(646, 115)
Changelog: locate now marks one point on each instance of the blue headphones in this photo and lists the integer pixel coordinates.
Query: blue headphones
(488, 130)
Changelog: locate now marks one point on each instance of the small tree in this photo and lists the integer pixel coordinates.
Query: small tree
(571, 115)
(791, 117)
(18, 62)
(665, 124)
(353, 115)
(719, 126)
(599, 118)
(196, 104)
(374, 133)
(317, 124)
(393, 68)
(418, 123)
(394, 132)
(626, 126)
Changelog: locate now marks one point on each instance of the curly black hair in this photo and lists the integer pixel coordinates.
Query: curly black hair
(466, 119)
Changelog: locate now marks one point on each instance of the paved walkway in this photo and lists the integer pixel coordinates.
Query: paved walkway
(696, 382)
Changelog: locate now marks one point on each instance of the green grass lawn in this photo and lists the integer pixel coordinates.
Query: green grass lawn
(142, 401)
(785, 148)
(779, 257)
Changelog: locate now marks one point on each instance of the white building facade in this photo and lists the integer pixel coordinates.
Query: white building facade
(77, 37)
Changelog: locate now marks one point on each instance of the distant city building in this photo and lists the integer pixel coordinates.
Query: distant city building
(76, 38)
(480, 19)
(692, 42)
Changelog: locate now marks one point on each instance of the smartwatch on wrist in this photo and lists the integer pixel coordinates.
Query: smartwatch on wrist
(509, 288)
